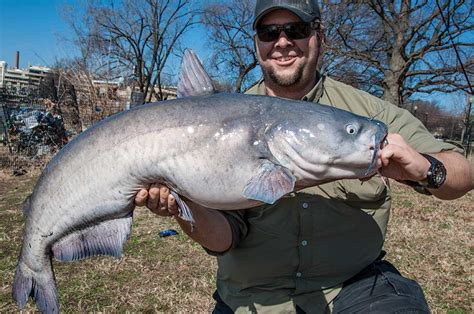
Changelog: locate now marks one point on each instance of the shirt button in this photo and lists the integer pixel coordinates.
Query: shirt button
(305, 205)
(304, 243)
(298, 274)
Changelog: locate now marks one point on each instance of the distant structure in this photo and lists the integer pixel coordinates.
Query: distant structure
(81, 99)
(17, 80)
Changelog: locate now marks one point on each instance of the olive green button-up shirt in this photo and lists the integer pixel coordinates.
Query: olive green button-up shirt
(300, 250)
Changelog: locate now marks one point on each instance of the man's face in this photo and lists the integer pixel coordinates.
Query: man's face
(286, 62)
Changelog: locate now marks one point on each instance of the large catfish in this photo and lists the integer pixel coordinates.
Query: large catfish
(222, 151)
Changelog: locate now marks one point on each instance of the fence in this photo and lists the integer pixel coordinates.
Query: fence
(29, 132)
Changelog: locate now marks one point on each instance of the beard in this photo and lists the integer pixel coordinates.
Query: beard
(286, 80)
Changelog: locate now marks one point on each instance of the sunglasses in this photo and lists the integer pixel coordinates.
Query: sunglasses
(298, 30)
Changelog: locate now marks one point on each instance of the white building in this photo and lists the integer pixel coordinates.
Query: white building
(18, 79)
(3, 68)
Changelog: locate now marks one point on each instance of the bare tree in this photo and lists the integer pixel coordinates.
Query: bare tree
(132, 38)
(230, 31)
(396, 48)
(78, 96)
(440, 122)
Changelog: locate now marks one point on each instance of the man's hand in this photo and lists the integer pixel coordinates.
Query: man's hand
(399, 161)
(158, 199)
(210, 229)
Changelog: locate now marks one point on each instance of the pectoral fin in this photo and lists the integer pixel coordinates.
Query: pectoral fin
(184, 210)
(270, 183)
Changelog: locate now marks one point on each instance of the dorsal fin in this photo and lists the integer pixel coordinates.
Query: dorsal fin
(193, 79)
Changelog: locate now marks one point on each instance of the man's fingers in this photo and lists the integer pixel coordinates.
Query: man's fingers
(158, 199)
(172, 205)
(153, 197)
(386, 154)
(164, 194)
(379, 162)
(140, 198)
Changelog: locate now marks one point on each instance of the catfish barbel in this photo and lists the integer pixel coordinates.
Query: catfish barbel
(222, 151)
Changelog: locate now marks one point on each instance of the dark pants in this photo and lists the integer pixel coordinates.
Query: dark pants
(379, 288)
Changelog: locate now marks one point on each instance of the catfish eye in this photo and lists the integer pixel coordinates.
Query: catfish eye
(351, 129)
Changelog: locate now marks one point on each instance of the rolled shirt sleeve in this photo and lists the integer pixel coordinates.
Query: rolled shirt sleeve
(238, 226)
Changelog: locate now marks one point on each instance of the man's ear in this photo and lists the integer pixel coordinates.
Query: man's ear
(321, 34)
(255, 44)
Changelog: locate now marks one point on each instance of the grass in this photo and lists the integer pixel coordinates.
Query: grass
(154, 274)
(431, 242)
(428, 240)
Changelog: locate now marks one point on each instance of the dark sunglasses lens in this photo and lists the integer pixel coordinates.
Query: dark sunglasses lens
(268, 33)
(297, 31)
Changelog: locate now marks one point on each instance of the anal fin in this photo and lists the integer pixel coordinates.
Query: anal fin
(105, 238)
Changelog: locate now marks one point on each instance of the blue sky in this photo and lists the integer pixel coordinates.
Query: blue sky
(31, 27)
(34, 28)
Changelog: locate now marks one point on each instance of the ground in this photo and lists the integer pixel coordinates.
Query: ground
(428, 240)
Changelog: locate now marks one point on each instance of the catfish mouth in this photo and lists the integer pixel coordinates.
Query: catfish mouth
(380, 139)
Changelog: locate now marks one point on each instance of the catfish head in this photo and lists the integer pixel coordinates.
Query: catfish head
(321, 143)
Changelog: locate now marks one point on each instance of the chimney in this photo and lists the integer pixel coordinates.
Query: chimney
(17, 60)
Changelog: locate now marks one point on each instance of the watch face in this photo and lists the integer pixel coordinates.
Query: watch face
(436, 176)
(439, 175)
(436, 173)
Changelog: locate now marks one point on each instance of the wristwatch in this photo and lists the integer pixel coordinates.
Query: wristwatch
(434, 178)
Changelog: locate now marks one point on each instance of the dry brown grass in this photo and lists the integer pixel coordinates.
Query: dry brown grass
(155, 274)
(429, 240)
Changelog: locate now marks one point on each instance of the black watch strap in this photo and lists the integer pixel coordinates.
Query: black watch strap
(436, 173)
(417, 187)
(435, 177)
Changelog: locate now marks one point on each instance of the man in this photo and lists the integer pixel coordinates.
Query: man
(319, 249)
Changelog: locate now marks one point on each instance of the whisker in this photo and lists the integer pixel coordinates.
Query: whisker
(384, 180)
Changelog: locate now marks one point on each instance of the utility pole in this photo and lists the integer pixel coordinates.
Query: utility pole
(466, 140)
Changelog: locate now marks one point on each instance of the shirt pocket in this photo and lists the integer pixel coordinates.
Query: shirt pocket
(275, 220)
(369, 195)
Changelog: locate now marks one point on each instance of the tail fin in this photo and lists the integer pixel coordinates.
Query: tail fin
(40, 286)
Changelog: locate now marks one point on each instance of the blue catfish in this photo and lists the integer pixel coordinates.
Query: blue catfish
(222, 151)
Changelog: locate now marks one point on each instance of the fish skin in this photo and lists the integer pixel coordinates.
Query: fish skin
(222, 151)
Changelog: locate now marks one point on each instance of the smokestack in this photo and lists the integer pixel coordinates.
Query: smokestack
(17, 60)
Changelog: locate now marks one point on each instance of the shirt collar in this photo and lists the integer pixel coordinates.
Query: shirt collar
(313, 96)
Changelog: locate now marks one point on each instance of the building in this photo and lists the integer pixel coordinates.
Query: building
(3, 68)
(37, 74)
(19, 80)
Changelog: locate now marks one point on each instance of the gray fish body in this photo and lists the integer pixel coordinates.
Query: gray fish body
(205, 148)
(221, 151)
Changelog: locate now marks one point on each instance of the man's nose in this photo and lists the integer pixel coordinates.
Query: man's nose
(283, 40)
